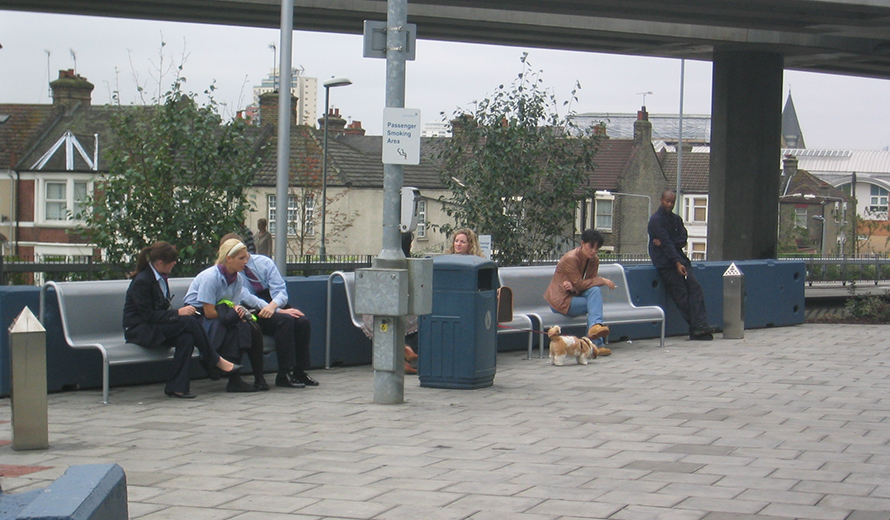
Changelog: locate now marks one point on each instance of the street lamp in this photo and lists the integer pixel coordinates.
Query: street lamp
(605, 193)
(328, 84)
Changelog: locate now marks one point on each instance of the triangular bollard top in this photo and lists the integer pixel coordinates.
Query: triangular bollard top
(26, 322)
(732, 271)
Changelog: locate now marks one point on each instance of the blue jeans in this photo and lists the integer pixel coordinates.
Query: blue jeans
(590, 302)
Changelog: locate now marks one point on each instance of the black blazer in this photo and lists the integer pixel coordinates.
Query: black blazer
(146, 306)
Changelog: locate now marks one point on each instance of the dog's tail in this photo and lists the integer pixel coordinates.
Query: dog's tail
(590, 344)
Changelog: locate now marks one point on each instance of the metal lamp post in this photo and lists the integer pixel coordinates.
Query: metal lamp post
(333, 82)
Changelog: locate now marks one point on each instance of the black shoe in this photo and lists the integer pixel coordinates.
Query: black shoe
(239, 386)
(304, 378)
(180, 396)
(701, 334)
(286, 380)
(261, 385)
(236, 369)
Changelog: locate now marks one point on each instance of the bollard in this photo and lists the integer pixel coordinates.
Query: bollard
(733, 303)
(27, 340)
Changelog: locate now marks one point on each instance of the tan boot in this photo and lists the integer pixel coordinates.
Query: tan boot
(603, 351)
(410, 355)
(598, 331)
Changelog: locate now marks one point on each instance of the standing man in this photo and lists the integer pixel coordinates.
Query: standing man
(667, 240)
(289, 326)
(575, 288)
(263, 239)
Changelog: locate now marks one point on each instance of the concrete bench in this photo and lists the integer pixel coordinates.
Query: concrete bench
(530, 282)
(86, 492)
(91, 316)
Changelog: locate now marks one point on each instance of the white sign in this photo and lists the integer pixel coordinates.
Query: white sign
(485, 245)
(401, 136)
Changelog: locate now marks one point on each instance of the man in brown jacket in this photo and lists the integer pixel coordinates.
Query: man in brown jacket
(576, 286)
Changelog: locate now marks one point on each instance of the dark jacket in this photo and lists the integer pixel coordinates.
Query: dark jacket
(146, 305)
(668, 228)
(229, 334)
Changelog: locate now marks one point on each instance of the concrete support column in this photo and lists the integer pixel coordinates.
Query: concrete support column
(746, 125)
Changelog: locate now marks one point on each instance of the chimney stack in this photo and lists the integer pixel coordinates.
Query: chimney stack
(642, 128)
(336, 124)
(71, 90)
(269, 109)
(355, 128)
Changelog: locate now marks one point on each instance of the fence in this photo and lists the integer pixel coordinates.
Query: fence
(19, 270)
(844, 269)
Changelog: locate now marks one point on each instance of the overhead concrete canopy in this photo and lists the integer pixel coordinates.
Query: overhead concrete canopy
(835, 36)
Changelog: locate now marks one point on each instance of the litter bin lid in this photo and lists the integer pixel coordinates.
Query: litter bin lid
(463, 272)
(462, 263)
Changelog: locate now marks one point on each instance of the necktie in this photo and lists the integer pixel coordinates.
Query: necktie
(253, 280)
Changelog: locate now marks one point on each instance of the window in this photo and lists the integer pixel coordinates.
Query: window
(421, 219)
(309, 222)
(696, 209)
(800, 217)
(604, 213)
(64, 197)
(698, 251)
(878, 200)
(56, 201)
(292, 214)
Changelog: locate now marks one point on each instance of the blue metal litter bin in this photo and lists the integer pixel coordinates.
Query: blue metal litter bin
(458, 341)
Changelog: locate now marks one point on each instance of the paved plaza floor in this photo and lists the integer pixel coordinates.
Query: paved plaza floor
(787, 423)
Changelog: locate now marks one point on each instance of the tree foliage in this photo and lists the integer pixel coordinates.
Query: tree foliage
(176, 172)
(516, 169)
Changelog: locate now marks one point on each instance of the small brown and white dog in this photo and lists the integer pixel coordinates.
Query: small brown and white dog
(561, 346)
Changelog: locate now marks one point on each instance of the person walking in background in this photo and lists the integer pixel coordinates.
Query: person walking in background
(667, 240)
(247, 238)
(576, 287)
(263, 239)
(149, 320)
(465, 242)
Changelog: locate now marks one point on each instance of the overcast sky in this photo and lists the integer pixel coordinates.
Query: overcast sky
(834, 111)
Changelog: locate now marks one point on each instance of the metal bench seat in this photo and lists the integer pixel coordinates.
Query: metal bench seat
(91, 315)
(530, 282)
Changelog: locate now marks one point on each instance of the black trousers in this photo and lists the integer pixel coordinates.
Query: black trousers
(687, 294)
(184, 334)
(292, 337)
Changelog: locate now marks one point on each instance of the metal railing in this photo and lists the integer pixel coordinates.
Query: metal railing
(30, 270)
(866, 268)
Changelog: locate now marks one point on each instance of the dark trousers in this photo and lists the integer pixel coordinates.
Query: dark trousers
(184, 334)
(687, 294)
(292, 337)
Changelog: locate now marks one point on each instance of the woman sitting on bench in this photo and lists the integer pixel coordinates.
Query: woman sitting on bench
(217, 293)
(150, 322)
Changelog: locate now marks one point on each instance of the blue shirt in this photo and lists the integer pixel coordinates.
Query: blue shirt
(668, 228)
(210, 287)
(265, 272)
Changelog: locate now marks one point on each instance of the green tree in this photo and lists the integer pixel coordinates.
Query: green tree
(176, 172)
(517, 169)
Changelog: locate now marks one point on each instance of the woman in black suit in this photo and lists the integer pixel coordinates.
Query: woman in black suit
(150, 322)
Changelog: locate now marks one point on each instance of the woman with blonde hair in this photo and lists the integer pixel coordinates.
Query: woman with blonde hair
(218, 293)
(465, 242)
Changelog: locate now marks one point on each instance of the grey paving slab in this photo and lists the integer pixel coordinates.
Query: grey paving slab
(786, 423)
